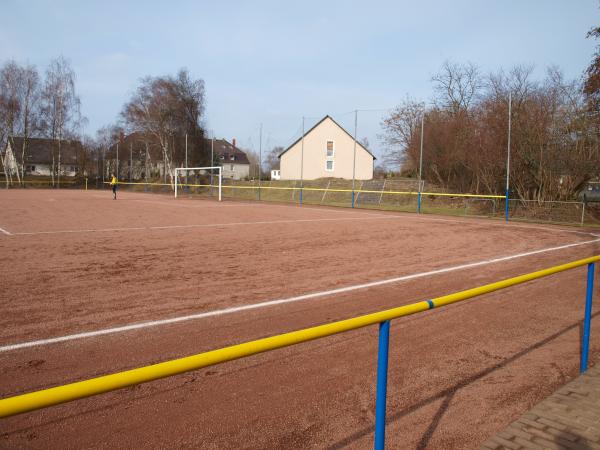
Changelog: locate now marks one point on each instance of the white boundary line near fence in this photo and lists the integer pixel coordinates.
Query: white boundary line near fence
(3, 231)
(298, 298)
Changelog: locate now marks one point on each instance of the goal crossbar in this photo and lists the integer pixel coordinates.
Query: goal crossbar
(181, 169)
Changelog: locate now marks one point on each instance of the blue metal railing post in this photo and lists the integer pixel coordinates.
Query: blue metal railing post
(353, 199)
(382, 371)
(506, 206)
(585, 347)
(300, 195)
(419, 203)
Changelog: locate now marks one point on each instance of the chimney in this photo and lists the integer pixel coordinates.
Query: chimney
(233, 142)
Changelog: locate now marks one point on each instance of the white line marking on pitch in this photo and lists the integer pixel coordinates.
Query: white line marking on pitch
(298, 298)
(399, 214)
(207, 225)
(2, 230)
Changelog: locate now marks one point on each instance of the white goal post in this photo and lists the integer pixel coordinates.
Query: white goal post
(187, 169)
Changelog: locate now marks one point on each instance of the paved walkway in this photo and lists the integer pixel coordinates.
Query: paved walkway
(568, 419)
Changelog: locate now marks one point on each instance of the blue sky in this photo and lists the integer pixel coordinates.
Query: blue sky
(273, 62)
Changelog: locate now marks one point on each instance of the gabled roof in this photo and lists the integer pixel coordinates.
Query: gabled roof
(319, 123)
(137, 139)
(227, 150)
(40, 150)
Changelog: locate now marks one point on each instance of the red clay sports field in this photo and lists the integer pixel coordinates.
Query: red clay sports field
(91, 286)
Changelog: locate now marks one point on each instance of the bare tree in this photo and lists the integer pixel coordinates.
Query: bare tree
(167, 109)
(399, 130)
(457, 86)
(591, 87)
(554, 137)
(61, 108)
(30, 84)
(10, 108)
(272, 159)
(19, 107)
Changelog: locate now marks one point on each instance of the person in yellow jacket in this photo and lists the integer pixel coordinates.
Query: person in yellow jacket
(113, 183)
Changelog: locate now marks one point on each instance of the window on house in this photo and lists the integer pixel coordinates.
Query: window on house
(232, 167)
(222, 156)
(330, 150)
(232, 157)
(329, 165)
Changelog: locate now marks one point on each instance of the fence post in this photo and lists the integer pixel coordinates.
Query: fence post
(382, 370)
(506, 206)
(419, 203)
(86, 184)
(585, 347)
(582, 213)
(382, 189)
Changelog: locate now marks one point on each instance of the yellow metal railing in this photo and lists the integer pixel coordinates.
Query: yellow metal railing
(298, 188)
(73, 391)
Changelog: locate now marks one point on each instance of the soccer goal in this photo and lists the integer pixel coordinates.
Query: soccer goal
(183, 175)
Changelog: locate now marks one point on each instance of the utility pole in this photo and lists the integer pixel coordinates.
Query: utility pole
(421, 163)
(186, 160)
(506, 210)
(212, 157)
(130, 159)
(103, 164)
(354, 157)
(302, 162)
(146, 167)
(60, 125)
(259, 159)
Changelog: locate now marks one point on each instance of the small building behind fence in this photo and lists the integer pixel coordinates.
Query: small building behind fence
(233, 161)
(327, 150)
(41, 157)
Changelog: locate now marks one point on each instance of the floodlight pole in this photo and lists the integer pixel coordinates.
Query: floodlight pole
(130, 159)
(212, 157)
(508, 158)
(117, 173)
(186, 160)
(354, 154)
(421, 163)
(103, 164)
(302, 162)
(259, 159)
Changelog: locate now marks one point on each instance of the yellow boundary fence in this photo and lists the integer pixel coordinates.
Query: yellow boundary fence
(53, 396)
(298, 188)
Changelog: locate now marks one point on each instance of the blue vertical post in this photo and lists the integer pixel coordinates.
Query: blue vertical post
(585, 347)
(419, 203)
(300, 195)
(382, 371)
(353, 198)
(506, 206)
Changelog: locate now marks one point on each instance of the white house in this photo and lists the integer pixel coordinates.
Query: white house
(39, 154)
(234, 162)
(327, 150)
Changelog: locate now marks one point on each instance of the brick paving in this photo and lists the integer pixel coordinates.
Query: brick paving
(568, 419)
